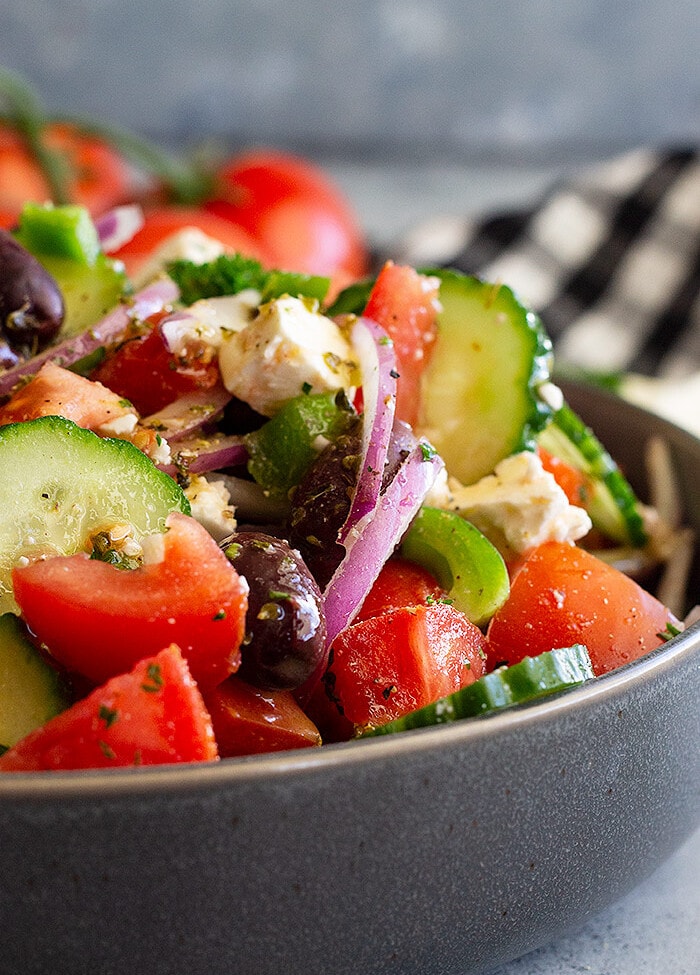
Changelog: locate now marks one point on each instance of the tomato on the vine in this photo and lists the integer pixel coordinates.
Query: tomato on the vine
(96, 175)
(294, 211)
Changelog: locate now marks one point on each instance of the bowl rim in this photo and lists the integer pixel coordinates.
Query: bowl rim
(186, 778)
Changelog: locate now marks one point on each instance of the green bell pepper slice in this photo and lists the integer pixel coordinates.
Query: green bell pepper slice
(465, 563)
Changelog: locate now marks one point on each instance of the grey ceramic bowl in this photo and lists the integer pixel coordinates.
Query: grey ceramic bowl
(447, 850)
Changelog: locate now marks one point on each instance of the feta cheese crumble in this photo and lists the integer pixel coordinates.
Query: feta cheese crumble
(288, 347)
(209, 320)
(211, 506)
(517, 507)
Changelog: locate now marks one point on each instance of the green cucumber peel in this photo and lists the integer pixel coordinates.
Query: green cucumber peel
(480, 393)
(22, 109)
(531, 679)
(64, 484)
(611, 502)
(31, 690)
(465, 563)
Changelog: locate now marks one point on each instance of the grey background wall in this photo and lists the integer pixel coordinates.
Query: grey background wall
(450, 78)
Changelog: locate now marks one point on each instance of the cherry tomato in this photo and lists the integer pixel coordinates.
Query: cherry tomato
(404, 303)
(152, 715)
(388, 665)
(97, 176)
(400, 583)
(249, 721)
(295, 213)
(98, 620)
(144, 371)
(560, 595)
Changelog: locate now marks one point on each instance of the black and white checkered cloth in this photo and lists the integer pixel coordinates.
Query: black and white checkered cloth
(609, 260)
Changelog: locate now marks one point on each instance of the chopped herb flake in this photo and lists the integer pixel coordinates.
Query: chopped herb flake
(669, 633)
(277, 594)
(106, 750)
(108, 715)
(155, 677)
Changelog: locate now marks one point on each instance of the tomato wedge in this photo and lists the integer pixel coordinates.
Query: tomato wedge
(144, 371)
(250, 721)
(405, 304)
(388, 665)
(150, 716)
(400, 583)
(560, 595)
(55, 391)
(98, 620)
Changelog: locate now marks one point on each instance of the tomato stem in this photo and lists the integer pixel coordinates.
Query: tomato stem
(184, 182)
(26, 116)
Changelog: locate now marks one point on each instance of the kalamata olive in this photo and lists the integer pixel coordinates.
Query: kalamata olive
(285, 626)
(321, 502)
(31, 303)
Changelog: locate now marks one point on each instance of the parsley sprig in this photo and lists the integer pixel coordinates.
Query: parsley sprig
(230, 274)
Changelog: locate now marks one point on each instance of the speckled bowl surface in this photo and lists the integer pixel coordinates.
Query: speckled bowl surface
(445, 850)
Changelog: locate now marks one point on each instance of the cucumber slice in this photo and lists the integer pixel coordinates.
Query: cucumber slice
(464, 561)
(480, 399)
(528, 680)
(62, 484)
(612, 504)
(89, 291)
(31, 690)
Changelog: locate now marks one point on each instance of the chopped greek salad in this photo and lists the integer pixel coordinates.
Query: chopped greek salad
(240, 513)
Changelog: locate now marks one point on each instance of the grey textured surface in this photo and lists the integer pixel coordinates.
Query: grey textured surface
(654, 930)
(457, 76)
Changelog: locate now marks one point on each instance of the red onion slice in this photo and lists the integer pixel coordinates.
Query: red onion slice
(369, 545)
(184, 416)
(378, 368)
(143, 304)
(202, 455)
(118, 226)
